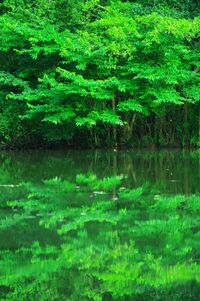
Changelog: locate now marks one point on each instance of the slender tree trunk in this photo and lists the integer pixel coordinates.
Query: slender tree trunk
(186, 123)
(128, 129)
(114, 126)
(94, 136)
(95, 139)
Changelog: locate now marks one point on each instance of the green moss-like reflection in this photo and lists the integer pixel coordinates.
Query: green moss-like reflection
(96, 239)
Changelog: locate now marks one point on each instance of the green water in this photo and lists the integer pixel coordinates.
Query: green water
(104, 225)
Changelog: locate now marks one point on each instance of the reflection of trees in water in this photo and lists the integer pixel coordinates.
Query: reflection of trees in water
(169, 171)
(72, 240)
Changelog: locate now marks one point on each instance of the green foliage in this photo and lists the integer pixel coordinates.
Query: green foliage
(91, 182)
(113, 70)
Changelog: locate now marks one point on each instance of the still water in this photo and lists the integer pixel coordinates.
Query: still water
(100, 226)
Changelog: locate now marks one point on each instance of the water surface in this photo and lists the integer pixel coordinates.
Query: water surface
(99, 225)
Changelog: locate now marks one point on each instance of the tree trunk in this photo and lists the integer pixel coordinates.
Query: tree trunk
(128, 128)
(114, 126)
(186, 123)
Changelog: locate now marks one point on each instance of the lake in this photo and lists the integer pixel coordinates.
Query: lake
(100, 225)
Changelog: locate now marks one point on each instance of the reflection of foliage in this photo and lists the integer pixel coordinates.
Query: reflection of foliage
(86, 245)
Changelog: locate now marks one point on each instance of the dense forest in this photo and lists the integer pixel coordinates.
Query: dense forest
(96, 73)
